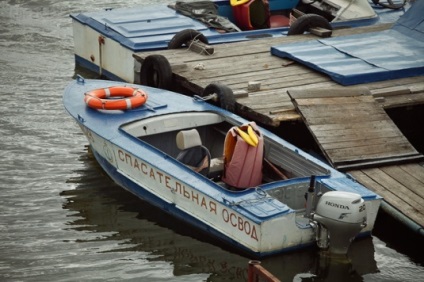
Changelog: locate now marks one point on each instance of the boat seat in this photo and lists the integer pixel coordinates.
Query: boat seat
(255, 14)
(193, 154)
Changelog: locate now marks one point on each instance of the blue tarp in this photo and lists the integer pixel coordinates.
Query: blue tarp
(362, 58)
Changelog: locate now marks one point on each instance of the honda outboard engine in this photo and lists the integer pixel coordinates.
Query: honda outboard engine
(338, 219)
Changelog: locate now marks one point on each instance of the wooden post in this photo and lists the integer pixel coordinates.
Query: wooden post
(257, 273)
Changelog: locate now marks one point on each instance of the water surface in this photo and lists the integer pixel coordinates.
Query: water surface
(63, 219)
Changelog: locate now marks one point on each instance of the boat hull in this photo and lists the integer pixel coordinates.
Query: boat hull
(255, 221)
(190, 205)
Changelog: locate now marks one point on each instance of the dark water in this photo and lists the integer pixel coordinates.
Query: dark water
(61, 217)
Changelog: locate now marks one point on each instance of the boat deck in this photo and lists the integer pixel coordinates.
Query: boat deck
(354, 116)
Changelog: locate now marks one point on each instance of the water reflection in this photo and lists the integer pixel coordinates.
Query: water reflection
(359, 262)
(104, 212)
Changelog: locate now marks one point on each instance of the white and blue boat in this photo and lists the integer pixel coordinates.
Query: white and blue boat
(298, 200)
(106, 40)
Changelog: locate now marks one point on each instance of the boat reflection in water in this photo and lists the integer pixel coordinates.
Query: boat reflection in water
(103, 213)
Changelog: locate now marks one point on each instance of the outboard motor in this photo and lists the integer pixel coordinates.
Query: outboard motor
(338, 219)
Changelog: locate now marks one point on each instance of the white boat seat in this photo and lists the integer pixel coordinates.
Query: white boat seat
(193, 154)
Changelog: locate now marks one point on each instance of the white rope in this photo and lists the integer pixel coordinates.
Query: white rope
(197, 40)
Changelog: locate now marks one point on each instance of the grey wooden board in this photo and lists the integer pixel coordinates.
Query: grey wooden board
(236, 64)
(401, 186)
(352, 129)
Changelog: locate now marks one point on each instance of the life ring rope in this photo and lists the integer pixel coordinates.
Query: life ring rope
(101, 98)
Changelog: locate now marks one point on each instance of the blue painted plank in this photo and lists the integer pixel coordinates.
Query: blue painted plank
(370, 57)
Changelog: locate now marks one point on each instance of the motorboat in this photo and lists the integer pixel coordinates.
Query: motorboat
(224, 175)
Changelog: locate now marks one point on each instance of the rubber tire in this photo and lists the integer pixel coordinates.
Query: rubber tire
(226, 99)
(184, 36)
(305, 22)
(156, 72)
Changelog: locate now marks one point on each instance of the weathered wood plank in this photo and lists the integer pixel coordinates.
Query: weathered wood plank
(344, 119)
(393, 185)
(363, 133)
(379, 151)
(360, 142)
(325, 129)
(394, 198)
(329, 92)
(416, 171)
(352, 112)
(403, 100)
(406, 179)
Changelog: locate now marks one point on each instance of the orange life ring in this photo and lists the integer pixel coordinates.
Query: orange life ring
(99, 98)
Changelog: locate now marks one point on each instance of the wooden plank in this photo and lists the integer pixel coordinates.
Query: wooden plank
(391, 91)
(317, 120)
(406, 179)
(351, 112)
(417, 87)
(378, 152)
(329, 92)
(334, 127)
(360, 142)
(321, 32)
(414, 170)
(391, 184)
(403, 101)
(393, 198)
(358, 134)
(335, 100)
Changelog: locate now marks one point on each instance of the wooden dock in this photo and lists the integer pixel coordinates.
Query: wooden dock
(401, 186)
(237, 64)
(349, 124)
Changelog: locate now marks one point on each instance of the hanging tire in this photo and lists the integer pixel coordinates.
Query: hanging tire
(156, 72)
(225, 95)
(390, 4)
(184, 36)
(307, 21)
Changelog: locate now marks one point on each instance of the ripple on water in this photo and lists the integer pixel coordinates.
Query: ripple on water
(63, 219)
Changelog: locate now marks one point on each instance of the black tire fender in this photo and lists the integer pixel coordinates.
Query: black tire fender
(226, 99)
(184, 36)
(307, 21)
(156, 72)
(390, 4)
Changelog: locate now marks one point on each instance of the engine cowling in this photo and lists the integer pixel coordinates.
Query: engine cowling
(339, 217)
